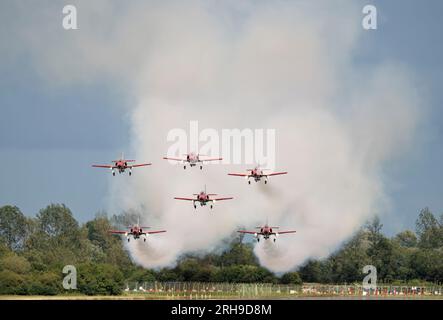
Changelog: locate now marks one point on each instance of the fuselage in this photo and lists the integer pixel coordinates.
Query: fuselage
(203, 198)
(266, 232)
(121, 165)
(192, 158)
(256, 173)
(136, 232)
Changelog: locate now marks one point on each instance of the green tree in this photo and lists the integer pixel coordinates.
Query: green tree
(346, 265)
(11, 282)
(406, 239)
(403, 255)
(384, 257)
(99, 279)
(140, 275)
(239, 254)
(58, 237)
(13, 227)
(291, 278)
(428, 230)
(428, 264)
(312, 271)
(46, 283)
(57, 221)
(244, 274)
(15, 263)
(374, 230)
(381, 252)
(190, 269)
(166, 275)
(105, 247)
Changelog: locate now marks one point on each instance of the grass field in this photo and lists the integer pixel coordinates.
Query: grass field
(220, 297)
(252, 291)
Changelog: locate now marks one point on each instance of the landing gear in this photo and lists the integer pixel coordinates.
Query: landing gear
(130, 173)
(201, 167)
(128, 239)
(249, 181)
(266, 181)
(258, 239)
(212, 206)
(274, 240)
(145, 240)
(184, 167)
(195, 206)
(113, 173)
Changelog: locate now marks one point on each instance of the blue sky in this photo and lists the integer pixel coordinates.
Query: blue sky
(47, 150)
(410, 32)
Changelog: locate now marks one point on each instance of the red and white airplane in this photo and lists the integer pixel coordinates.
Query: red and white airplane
(136, 232)
(203, 198)
(257, 174)
(121, 165)
(266, 231)
(192, 159)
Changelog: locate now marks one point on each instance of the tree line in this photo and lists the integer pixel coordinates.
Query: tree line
(34, 250)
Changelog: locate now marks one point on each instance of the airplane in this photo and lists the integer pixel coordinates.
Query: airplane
(192, 159)
(121, 165)
(266, 231)
(136, 231)
(203, 198)
(257, 174)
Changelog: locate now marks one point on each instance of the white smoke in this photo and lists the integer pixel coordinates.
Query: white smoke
(287, 66)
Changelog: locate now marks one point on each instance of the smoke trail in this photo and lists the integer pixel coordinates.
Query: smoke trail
(285, 66)
(333, 132)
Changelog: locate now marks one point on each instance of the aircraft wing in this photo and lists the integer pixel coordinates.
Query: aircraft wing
(188, 199)
(157, 231)
(212, 159)
(102, 166)
(174, 159)
(118, 232)
(140, 165)
(239, 174)
(274, 174)
(248, 232)
(219, 199)
(291, 231)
